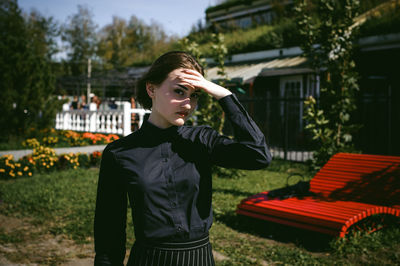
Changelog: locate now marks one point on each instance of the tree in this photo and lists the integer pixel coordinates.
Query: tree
(124, 44)
(112, 47)
(326, 28)
(147, 41)
(79, 34)
(26, 74)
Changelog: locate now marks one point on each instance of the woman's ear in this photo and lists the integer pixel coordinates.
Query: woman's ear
(150, 89)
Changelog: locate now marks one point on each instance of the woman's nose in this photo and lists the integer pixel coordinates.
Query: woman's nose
(186, 103)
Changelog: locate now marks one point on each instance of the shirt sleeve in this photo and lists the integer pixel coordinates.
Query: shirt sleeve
(247, 150)
(110, 214)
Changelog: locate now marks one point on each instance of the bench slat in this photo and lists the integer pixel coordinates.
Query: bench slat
(308, 206)
(288, 222)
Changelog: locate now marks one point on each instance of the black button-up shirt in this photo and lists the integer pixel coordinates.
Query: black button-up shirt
(166, 174)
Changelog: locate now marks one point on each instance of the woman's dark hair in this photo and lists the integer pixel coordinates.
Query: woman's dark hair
(160, 69)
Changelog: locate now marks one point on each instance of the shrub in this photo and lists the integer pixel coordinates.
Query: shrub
(45, 159)
(50, 141)
(68, 161)
(11, 169)
(73, 138)
(84, 160)
(31, 143)
(95, 158)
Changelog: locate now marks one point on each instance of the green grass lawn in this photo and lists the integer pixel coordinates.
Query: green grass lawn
(64, 203)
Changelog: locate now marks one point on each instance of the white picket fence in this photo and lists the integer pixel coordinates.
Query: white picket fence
(100, 121)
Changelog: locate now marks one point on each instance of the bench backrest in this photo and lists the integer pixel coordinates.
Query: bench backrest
(373, 179)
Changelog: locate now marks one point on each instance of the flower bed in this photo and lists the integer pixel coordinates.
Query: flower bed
(44, 159)
(69, 138)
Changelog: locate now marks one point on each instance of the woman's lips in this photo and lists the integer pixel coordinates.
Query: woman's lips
(183, 114)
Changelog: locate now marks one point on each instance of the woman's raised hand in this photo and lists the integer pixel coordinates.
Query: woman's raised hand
(197, 80)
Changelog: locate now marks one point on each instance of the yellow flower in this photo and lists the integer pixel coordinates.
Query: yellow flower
(44, 164)
(75, 167)
(19, 173)
(26, 168)
(8, 156)
(30, 174)
(2, 171)
(12, 174)
(47, 166)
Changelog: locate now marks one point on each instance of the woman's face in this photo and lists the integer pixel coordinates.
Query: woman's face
(173, 101)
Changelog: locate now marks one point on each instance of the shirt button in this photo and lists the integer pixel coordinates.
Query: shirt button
(179, 229)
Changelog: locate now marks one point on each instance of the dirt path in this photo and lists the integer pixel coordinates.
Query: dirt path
(22, 243)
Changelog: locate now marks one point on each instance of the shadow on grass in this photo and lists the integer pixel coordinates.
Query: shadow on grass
(309, 240)
(233, 192)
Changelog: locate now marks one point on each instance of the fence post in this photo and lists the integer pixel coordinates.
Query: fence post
(67, 121)
(127, 119)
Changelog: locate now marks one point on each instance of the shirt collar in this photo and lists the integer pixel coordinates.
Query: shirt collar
(152, 130)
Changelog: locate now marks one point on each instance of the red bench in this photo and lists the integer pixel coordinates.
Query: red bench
(346, 190)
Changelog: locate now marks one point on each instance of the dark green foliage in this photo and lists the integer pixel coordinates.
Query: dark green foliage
(84, 160)
(282, 34)
(26, 74)
(385, 22)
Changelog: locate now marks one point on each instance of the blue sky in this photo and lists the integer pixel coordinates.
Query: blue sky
(176, 16)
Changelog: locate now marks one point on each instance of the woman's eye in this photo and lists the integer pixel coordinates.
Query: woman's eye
(179, 91)
(194, 96)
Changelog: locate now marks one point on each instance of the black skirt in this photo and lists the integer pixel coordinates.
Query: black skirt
(194, 253)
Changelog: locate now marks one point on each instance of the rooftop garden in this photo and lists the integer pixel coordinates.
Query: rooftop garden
(284, 32)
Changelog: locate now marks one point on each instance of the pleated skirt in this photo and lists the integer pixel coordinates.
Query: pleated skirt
(194, 253)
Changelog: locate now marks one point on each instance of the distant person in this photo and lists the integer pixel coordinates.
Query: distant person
(66, 105)
(97, 101)
(94, 104)
(164, 169)
(75, 103)
(82, 103)
(112, 105)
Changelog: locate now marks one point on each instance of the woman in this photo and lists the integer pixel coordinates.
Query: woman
(164, 169)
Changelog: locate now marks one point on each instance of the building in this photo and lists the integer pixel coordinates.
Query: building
(245, 14)
(276, 82)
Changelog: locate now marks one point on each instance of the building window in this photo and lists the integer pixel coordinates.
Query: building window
(244, 22)
(291, 107)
